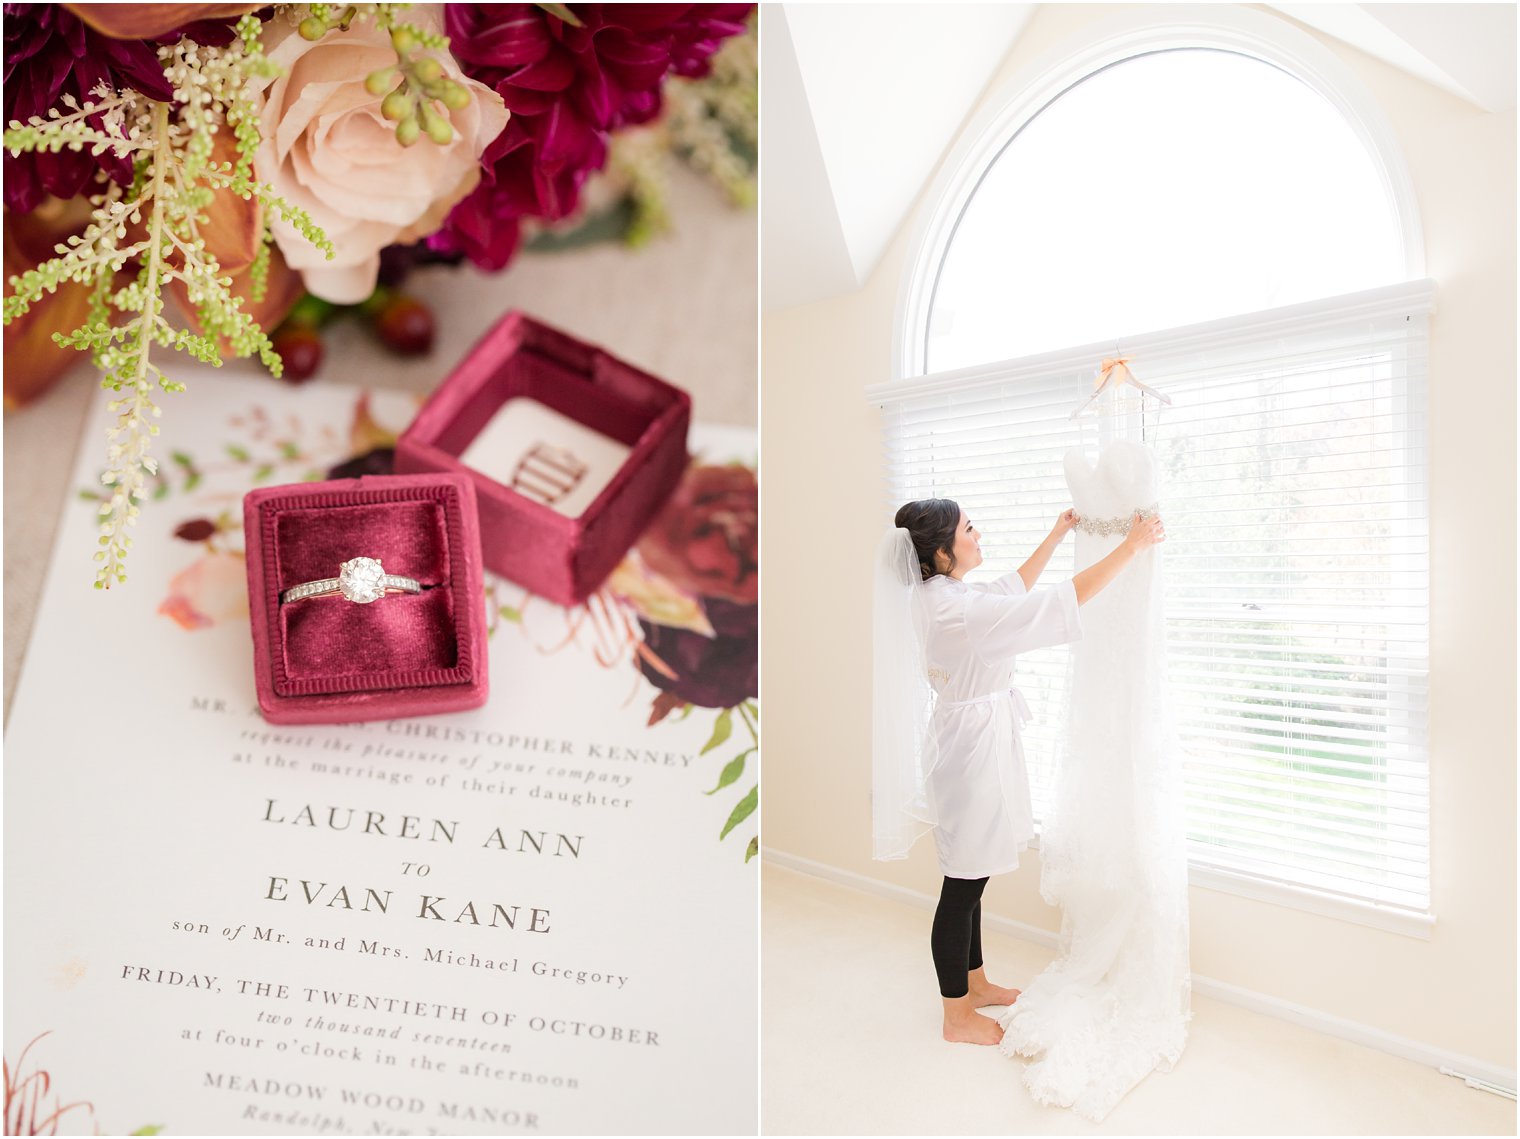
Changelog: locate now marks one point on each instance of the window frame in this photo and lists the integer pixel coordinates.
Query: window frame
(1017, 102)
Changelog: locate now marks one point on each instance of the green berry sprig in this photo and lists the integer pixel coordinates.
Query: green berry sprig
(412, 103)
(417, 95)
(320, 21)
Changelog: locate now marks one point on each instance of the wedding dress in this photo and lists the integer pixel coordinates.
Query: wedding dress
(1114, 1004)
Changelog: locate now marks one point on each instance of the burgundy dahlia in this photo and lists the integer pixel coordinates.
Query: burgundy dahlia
(49, 53)
(567, 87)
(711, 672)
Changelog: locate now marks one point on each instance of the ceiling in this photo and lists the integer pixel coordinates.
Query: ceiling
(1466, 49)
(850, 138)
(859, 105)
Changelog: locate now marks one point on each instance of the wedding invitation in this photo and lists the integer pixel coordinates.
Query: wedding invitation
(535, 917)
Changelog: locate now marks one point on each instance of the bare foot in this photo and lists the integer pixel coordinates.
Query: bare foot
(964, 1025)
(972, 1029)
(990, 994)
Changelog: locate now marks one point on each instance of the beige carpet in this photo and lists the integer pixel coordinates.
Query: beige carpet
(850, 1045)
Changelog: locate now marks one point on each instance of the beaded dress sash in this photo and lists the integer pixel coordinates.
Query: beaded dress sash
(1104, 527)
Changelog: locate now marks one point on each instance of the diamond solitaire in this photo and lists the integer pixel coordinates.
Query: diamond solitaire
(360, 580)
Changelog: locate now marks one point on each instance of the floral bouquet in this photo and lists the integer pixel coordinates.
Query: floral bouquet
(261, 165)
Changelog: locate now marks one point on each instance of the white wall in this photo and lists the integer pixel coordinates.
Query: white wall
(824, 508)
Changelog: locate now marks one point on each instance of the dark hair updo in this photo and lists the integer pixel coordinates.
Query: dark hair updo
(931, 523)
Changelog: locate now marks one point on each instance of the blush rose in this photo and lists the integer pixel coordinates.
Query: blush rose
(327, 149)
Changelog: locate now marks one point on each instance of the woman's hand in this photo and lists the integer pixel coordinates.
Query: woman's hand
(1064, 524)
(1144, 532)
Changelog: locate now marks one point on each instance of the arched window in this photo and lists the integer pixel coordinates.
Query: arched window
(1221, 202)
(1169, 188)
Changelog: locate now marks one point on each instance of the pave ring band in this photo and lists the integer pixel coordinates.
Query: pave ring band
(360, 580)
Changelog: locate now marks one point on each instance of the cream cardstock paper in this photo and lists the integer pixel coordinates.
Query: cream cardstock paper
(225, 926)
(531, 447)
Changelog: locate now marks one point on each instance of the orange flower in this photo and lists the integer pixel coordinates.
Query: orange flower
(148, 21)
(32, 361)
(232, 231)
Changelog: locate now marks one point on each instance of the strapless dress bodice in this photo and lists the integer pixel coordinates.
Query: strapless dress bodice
(1106, 495)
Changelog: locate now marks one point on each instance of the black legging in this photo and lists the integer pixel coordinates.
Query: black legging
(956, 939)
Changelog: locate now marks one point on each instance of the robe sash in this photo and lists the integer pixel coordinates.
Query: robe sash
(1020, 705)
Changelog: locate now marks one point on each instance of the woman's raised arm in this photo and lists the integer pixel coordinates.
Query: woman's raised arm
(1031, 570)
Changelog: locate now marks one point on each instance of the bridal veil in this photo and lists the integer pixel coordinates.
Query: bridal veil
(902, 747)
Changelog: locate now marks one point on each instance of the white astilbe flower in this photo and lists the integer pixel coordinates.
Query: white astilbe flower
(176, 178)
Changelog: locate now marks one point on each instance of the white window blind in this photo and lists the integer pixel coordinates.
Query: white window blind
(1293, 484)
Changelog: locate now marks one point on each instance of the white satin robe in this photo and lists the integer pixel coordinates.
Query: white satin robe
(979, 783)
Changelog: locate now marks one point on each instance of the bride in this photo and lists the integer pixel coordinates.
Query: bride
(947, 752)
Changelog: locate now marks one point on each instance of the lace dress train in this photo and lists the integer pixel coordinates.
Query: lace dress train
(1114, 1004)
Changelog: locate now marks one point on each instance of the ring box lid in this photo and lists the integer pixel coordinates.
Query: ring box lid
(561, 556)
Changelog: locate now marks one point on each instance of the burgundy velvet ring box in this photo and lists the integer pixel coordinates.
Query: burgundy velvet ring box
(325, 659)
(572, 452)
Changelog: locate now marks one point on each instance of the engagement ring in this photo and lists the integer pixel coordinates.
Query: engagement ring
(360, 580)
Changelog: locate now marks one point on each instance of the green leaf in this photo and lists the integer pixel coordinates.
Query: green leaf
(290, 450)
(264, 471)
(732, 771)
(753, 709)
(744, 810)
(746, 151)
(610, 225)
(193, 481)
(161, 490)
(237, 452)
(182, 459)
(752, 849)
(562, 12)
(311, 311)
(149, 1129)
(685, 711)
(510, 614)
(313, 476)
(721, 730)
